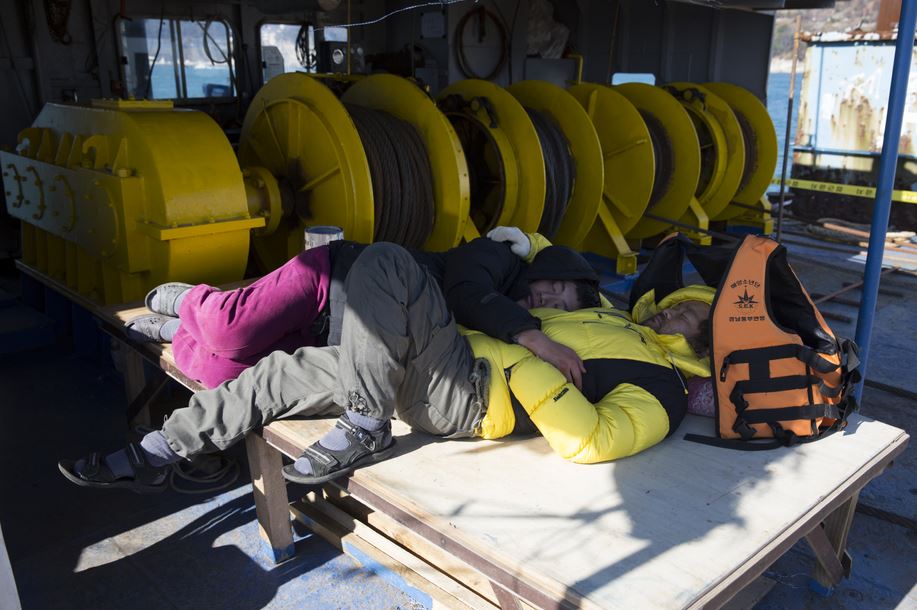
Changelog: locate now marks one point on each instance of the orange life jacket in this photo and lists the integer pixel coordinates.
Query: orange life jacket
(778, 370)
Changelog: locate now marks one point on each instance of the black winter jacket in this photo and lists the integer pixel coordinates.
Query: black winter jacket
(481, 281)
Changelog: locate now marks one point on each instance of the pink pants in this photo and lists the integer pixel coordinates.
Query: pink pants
(224, 333)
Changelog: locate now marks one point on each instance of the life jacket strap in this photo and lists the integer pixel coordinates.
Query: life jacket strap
(782, 438)
(775, 414)
(759, 357)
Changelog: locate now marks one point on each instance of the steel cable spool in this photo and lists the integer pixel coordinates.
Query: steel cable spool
(407, 186)
(630, 169)
(677, 156)
(664, 155)
(502, 144)
(486, 169)
(434, 163)
(559, 169)
(721, 144)
(401, 177)
(583, 150)
(760, 141)
(387, 165)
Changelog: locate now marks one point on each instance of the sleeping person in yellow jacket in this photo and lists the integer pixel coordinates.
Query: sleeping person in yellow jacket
(401, 354)
(633, 391)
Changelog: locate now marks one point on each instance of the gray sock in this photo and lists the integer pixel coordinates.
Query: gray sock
(336, 440)
(168, 330)
(157, 450)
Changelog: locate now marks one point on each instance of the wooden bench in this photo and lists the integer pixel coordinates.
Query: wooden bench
(479, 524)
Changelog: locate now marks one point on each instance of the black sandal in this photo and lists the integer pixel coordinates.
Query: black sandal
(364, 448)
(94, 472)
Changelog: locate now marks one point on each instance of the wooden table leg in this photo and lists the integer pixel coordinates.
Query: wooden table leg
(829, 541)
(134, 382)
(270, 493)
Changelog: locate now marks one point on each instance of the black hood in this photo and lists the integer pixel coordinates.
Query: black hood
(560, 263)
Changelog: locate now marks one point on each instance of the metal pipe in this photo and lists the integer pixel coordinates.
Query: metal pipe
(789, 121)
(904, 47)
(724, 236)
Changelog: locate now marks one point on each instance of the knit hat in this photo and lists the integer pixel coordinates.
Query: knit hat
(560, 263)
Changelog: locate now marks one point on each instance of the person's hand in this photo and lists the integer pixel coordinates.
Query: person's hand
(518, 241)
(562, 357)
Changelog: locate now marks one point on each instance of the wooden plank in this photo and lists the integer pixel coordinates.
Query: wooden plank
(270, 492)
(290, 435)
(827, 562)
(837, 526)
(345, 540)
(406, 537)
(604, 529)
(134, 383)
(397, 552)
(783, 542)
(749, 597)
(616, 535)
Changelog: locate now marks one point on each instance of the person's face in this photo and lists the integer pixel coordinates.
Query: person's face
(684, 319)
(556, 294)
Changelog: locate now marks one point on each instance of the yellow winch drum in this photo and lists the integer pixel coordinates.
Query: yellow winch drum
(309, 164)
(760, 140)
(721, 142)
(118, 197)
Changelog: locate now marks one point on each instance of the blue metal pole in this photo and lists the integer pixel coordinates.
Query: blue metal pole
(887, 164)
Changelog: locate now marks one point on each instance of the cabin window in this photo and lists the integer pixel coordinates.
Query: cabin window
(619, 78)
(177, 59)
(286, 47)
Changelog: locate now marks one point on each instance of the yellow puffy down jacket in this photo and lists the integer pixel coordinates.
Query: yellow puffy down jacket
(632, 396)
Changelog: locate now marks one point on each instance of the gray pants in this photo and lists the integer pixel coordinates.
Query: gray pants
(400, 352)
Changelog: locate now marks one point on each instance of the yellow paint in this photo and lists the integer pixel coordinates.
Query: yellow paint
(297, 130)
(451, 192)
(670, 200)
(585, 148)
(755, 180)
(867, 192)
(517, 145)
(125, 195)
(727, 142)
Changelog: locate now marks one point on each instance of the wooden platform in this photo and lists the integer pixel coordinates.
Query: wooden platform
(508, 523)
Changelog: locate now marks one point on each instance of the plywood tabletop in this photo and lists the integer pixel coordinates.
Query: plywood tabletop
(661, 529)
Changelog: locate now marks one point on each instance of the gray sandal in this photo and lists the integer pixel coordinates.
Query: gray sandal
(92, 471)
(147, 328)
(364, 448)
(162, 299)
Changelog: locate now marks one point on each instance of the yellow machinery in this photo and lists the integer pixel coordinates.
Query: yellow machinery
(722, 150)
(124, 195)
(629, 168)
(749, 206)
(508, 173)
(585, 150)
(677, 154)
(299, 134)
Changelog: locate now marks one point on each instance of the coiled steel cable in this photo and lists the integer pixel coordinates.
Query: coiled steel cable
(663, 154)
(560, 172)
(401, 176)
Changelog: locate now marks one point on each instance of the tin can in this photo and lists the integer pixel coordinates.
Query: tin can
(321, 235)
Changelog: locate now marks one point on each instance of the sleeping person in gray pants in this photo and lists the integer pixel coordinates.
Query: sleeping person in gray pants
(400, 353)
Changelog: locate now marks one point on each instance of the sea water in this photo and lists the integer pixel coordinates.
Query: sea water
(778, 91)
